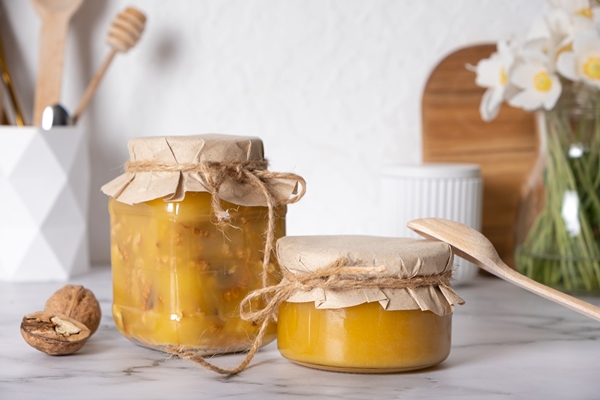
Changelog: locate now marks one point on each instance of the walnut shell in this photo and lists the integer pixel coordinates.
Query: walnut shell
(54, 334)
(76, 302)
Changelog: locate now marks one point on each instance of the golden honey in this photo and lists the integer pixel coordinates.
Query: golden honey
(178, 277)
(363, 338)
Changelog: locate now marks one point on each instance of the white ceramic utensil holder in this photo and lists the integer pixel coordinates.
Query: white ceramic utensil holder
(450, 191)
(44, 192)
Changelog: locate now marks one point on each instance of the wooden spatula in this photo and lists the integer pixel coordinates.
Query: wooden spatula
(55, 16)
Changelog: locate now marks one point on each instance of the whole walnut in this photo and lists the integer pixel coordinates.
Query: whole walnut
(78, 303)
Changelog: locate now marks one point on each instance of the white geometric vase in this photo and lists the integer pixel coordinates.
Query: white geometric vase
(44, 192)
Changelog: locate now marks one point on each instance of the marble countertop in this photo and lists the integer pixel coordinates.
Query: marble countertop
(507, 343)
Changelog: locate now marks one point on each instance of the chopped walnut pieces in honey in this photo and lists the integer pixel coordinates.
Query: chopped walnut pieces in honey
(123, 254)
(178, 279)
(200, 232)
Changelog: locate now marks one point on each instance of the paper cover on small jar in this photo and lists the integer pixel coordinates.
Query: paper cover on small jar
(386, 305)
(191, 233)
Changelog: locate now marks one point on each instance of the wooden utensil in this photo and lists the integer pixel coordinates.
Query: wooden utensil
(473, 246)
(12, 93)
(124, 33)
(55, 16)
(506, 148)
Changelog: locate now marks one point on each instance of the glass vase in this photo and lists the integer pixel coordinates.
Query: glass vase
(558, 231)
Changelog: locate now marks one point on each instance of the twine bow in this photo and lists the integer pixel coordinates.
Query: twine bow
(213, 174)
(341, 275)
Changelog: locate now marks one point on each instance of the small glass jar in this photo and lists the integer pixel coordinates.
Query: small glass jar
(368, 330)
(178, 275)
(364, 338)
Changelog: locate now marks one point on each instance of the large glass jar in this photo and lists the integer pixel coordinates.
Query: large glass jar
(181, 266)
(371, 304)
(178, 278)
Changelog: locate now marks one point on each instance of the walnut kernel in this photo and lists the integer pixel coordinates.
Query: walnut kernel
(54, 334)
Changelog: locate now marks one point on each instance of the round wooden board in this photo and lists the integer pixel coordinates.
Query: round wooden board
(506, 148)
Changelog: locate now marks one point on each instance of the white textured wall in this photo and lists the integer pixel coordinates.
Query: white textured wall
(333, 87)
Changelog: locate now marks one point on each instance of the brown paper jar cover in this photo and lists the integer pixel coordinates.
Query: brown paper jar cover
(402, 258)
(141, 186)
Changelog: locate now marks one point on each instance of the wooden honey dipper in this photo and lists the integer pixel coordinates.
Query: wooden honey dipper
(124, 33)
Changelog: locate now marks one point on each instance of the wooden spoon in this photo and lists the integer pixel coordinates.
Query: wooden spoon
(471, 245)
(125, 31)
(55, 16)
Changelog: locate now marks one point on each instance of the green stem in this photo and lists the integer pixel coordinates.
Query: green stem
(559, 252)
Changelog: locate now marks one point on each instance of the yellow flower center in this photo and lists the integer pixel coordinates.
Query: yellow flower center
(503, 76)
(542, 82)
(591, 68)
(585, 12)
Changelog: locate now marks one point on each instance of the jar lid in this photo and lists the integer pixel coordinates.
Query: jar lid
(416, 271)
(169, 166)
(197, 148)
(433, 170)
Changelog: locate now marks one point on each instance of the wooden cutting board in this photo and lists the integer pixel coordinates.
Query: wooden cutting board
(506, 148)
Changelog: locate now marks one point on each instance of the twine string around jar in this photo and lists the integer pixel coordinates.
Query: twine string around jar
(342, 274)
(213, 174)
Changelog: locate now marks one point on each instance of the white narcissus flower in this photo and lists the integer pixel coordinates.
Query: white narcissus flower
(492, 74)
(556, 29)
(540, 87)
(583, 63)
(580, 11)
(564, 40)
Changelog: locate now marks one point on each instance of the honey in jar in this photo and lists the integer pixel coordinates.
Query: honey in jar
(386, 305)
(179, 273)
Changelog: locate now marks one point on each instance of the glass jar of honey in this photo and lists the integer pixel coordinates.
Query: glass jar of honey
(190, 224)
(365, 304)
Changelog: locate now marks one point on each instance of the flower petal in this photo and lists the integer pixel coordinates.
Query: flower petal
(566, 65)
(584, 42)
(522, 75)
(489, 107)
(539, 30)
(592, 82)
(526, 100)
(505, 54)
(510, 90)
(488, 72)
(559, 23)
(551, 97)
